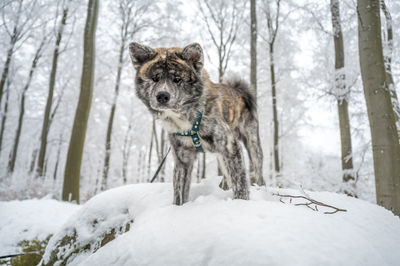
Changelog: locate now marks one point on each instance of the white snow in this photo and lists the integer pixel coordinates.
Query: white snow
(30, 219)
(213, 229)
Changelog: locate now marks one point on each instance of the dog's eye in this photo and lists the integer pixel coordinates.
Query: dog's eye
(177, 79)
(156, 78)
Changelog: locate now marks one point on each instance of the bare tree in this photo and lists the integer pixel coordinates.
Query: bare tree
(384, 136)
(132, 21)
(49, 102)
(223, 19)
(37, 56)
(75, 150)
(272, 29)
(342, 96)
(17, 25)
(18, 19)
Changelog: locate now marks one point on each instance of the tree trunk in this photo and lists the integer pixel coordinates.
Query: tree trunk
(14, 151)
(388, 64)
(150, 154)
(274, 109)
(4, 118)
(342, 95)
(33, 160)
(75, 149)
(49, 102)
(253, 66)
(107, 157)
(385, 140)
(203, 173)
(126, 152)
(58, 157)
(6, 67)
(253, 44)
(139, 167)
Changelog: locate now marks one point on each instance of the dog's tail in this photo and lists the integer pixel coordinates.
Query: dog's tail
(247, 92)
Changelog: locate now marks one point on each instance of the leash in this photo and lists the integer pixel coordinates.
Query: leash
(160, 166)
(20, 254)
(193, 133)
(189, 133)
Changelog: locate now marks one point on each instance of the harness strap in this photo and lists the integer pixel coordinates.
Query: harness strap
(193, 133)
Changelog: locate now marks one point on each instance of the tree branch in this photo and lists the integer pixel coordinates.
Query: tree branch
(310, 203)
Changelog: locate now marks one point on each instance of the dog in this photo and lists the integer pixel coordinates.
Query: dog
(199, 115)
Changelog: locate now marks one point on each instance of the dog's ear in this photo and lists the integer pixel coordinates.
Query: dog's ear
(140, 54)
(193, 54)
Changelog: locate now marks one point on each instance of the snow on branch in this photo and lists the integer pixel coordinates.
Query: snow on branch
(311, 203)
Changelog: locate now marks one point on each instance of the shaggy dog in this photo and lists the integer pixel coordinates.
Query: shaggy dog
(199, 115)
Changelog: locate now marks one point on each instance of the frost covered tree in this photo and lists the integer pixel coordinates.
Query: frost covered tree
(52, 82)
(222, 19)
(70, 190)
(272, 29)
(132, 20)
(342, 96)
(18, 18)
(385, 140)
(17, 136)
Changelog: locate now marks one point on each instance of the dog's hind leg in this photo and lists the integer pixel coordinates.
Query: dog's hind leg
(233, 165)
(251, 140)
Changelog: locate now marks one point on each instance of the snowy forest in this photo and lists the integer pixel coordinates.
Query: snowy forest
(325, 74)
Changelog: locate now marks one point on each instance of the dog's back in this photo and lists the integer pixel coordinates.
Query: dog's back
(233, 101)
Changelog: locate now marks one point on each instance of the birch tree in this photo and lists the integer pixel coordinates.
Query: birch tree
(384, 136)
(342, 96)
(72, 171)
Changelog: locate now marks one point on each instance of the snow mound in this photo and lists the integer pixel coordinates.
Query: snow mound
(213, 229)
(30, 219)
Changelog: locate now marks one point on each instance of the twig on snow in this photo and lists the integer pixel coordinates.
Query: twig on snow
(310, 203)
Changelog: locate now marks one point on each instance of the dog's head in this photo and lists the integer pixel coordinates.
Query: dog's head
(168, 78)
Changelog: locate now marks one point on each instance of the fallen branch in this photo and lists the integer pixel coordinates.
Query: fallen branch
(310, 203)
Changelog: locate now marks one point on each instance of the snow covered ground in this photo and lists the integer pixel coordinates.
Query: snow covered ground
(30, 219)
(211, 229)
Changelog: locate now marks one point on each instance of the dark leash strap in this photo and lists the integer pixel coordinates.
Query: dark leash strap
(19, 254)
(160, 166)
(194, 133)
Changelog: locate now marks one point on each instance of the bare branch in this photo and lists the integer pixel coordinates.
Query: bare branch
(310, 203)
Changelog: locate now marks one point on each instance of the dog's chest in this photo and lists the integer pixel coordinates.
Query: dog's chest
(173, 122)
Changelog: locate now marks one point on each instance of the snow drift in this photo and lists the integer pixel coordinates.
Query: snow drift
(31, 219)
(138, 225)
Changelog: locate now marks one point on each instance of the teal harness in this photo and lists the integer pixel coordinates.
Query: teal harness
(193, 133)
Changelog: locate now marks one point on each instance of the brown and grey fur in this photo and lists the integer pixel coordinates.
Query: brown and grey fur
(229, 113)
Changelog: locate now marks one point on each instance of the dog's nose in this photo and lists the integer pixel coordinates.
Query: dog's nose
(163, 96)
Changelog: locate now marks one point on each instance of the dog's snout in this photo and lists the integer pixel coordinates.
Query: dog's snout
(163, 97)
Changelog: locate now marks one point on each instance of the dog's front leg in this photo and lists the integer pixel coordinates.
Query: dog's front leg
(234, 168)
(184, 158)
